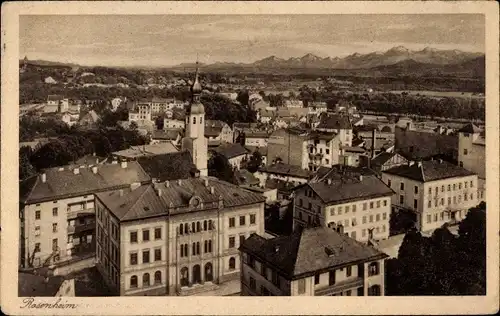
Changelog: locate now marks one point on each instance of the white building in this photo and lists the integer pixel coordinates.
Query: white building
(471, 154)
(436, 191)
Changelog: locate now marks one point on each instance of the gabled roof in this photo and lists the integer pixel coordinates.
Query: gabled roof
(92, 116)
(64, 183)
(341, 188)
(167, 134)
(431, 170)
(286, 169)
(261, 150)
(171, 166)
(470, 128)
(421, 145)
(309, 251)
(212, 131)
(334, 121)
(231, 150)
(382, 158)
(146, 150)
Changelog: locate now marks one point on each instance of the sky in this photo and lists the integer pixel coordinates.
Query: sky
(165, 40)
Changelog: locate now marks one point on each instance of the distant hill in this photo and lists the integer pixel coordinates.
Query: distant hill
(47, 63)
(393, 60)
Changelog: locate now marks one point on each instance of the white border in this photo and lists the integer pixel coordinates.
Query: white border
(240, 305)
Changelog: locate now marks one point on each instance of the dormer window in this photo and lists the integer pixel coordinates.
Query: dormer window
(194, 120)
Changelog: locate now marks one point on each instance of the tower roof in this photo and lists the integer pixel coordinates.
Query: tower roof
(196, 87)
(196, 107)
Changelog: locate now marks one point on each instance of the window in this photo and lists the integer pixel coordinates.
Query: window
(363, 232)
(327, 151)
(435, 217)
(54, 244)
(430, 190)
(231, 222)
(401, 199)
(348, 293)
(157, 233)
(373, 269)
(449, 200)
(442, 188)
(133, 258)
(378, 204)
(231, 242)
(316, 279)
(232, 263)
(331, 277)
(54, 227)
(465, 151)
(460, 186)
(158, 277)
(371, 218)
(145, 279)
(242, 220)
(442, 201)
(347, 209)
(194, 120)
(253, 286)
(466, 184)
(133, 282)
(354, 208)
(364, 219)
(416, 189)
(184, 250)
(389, 183)
(37, 214)
(339, 210)
(384, 216)
(54, 211)
(181, 229)
(145, 235)
(302, 286)
(429, 203)
(374, 290)
(415, 203)
(449, 187)
(309, 206)
(442, 216)
(377, 217)
(402, 186)
(145, 256)
(471, 184)
(198, 227)
(364, 206)
(133, 237)
(353, 234)
(242, 239)
(371, 205)
(252, 219)
(461, 164)
(37, 247)
(349, 271)
(263, 270)
(157, 254)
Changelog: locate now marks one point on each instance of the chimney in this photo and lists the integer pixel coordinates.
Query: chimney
(212, 190)
(440, 160)
(360, 177)
(276, 248)
(124, 164)
(97, 161)
(411, 163)
(419, 164)
(94, 170)
(159, 192)
(44, 177)
(205, 181)
(121, 192)
(114, 162)
(179, 182)
(76, 171)
(374, 141)
(61, 169)
(329, 181)
(167, 184)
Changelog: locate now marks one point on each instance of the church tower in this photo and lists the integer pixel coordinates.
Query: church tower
(195, 141)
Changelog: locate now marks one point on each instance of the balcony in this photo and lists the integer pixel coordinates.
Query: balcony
(81, 228)
(339, 287)
(82, 212)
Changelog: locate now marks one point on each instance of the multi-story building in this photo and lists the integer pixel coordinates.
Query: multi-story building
(283, 172)
(322, 149)
(312, 262)
(141, 112)
(57, 214)
(174, 237)
(218, 130)
(471, 154)
(339, 124)
(256, 138)
(437, 192)
(174, 118)
(358, 204)
(287, 146)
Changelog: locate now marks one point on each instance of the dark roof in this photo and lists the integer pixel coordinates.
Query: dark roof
(356, 142)
(422, 145)
(171, 166)
(341, 187)
(336, 170)
(322, 135)
(382, 158)
(261, 150)
(168, 134)
(286, 169)
(64, 183)
(212, 131)
(334, 121)
(246, 177)
(354, 149)
(175, 197)
(31, 285)
(470, 128)
(231, 150)
(282, 186)
(431, 170)
(309, 251)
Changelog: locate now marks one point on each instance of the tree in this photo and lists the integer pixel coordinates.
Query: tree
(26, 169)
(255, 162)
(243, 97)
(219, 167)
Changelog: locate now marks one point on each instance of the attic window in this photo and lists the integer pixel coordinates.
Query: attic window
(329, 251)
(146, 208)
(235, 194)
(123, 205)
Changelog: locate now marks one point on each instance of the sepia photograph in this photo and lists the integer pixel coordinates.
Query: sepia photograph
(225, 154)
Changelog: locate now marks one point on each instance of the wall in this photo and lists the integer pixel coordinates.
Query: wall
(475, 159)
(287, 146)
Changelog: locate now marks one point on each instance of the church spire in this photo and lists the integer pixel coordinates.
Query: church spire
(196, 87)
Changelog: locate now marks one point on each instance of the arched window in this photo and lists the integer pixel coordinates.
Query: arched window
(145, 279)
(205, 225)
(206, 246)
(373, 269)
(133, 282)
(208, 272)
(194, 120)
(157, 277)
(193, 227)
(198, 248)
(181, 229)
(232, 263)
(186, 229)
(198, 226)
(184, 276)
(210, 246)
(201, 120)
(210, 225)
(194, 249)
(374, 290)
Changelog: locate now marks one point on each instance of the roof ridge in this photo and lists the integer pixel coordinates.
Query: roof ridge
(421, 167)
(32, 187)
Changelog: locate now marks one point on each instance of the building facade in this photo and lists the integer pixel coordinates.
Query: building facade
(313, 262)
(357, 205)
(437, 192)
(471, 154)
(175, 237)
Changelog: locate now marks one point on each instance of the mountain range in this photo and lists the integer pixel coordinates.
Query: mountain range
(392, 56)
